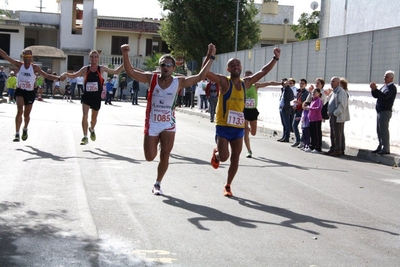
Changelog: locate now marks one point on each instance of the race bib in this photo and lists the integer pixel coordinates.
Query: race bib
(160, 115)
(25, 85)
(250, 103)
(235, 118)
(92, 87)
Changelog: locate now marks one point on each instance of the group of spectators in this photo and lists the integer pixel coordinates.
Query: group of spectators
(311, 106)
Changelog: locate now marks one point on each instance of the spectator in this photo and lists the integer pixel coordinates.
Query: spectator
(73, 83)
(122, 88)
(305, 126)
(49, 84)
(338, 110)
(67, 92)
(3, 78)
(79, 83)
(109, 89)
(385, 98)
(11, 86)
(301, 97)
(188, 98)
(201, 88)
(315, 119)
(212, 91)
(114, 81)
(135, 92)
(285, 109)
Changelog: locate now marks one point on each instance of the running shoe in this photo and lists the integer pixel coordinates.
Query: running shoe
(92, 134)
(84, 141)
(307, 149)
(315, 151)
(24, 134)
(16, 138)
(214, 160)
(227, 191)
(157, 190)
(249, 154)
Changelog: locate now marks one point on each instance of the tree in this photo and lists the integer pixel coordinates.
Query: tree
(151, 63)
(308, 27)
(4, 11)
(191, 25)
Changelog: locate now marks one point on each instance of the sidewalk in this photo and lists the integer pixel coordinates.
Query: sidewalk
(355, 148)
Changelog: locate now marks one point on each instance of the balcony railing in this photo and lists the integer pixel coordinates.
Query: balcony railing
(136, 61)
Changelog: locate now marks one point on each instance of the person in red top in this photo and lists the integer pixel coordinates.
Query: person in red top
(212, 91)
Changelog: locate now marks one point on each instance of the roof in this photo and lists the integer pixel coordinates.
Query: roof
(46, 51)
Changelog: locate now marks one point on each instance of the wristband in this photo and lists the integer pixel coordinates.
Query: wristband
(212, 57)
(275, 58)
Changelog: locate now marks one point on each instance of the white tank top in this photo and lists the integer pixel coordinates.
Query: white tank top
(26, 78)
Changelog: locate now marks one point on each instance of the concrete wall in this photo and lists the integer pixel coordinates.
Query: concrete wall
(360, 58)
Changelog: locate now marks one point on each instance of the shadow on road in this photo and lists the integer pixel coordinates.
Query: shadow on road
(211, 214)
(295, 218)
(30, 238)
(102, 154)
(190, 160)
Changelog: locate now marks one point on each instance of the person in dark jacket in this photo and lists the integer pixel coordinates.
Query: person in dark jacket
(385, 98)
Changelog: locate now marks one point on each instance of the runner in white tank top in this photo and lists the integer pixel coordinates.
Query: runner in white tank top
(25, 92)
(160, 118)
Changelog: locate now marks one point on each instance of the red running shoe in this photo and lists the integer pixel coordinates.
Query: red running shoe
(214, 160)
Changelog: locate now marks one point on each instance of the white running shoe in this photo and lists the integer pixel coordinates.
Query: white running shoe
(315, 151)
(157, 190)
(307, 149)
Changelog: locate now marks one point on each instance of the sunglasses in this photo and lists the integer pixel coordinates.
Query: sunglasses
(27, 56)
(166, 65)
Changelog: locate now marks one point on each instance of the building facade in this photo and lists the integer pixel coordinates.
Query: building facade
(341, 17)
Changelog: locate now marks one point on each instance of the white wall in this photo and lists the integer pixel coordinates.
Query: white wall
(16, 41)
(69, 41)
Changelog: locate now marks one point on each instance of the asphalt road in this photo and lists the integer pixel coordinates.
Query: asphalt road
(63, 204)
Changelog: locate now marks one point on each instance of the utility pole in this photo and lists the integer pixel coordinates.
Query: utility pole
(41, 6)
(237, 26)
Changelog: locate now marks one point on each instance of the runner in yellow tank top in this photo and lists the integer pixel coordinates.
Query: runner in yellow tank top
(230, 118)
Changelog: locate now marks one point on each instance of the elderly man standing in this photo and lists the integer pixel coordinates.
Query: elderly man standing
(338, 110)
(385, 98)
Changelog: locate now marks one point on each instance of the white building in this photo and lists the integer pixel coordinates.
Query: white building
(75, 30)
(341, 17)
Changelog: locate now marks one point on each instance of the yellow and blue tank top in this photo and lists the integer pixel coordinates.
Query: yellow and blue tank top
(230, 106)
(251, 97)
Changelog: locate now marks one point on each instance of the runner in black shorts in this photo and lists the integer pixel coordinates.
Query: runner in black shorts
(92, 88)
(26, 89)
(251, 111)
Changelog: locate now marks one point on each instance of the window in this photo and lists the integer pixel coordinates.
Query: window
(77, 19)
(5, 43)
(149, 47)
(75, 63)
(116, 43)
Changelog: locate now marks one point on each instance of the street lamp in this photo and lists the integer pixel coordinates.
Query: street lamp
(237, 26)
